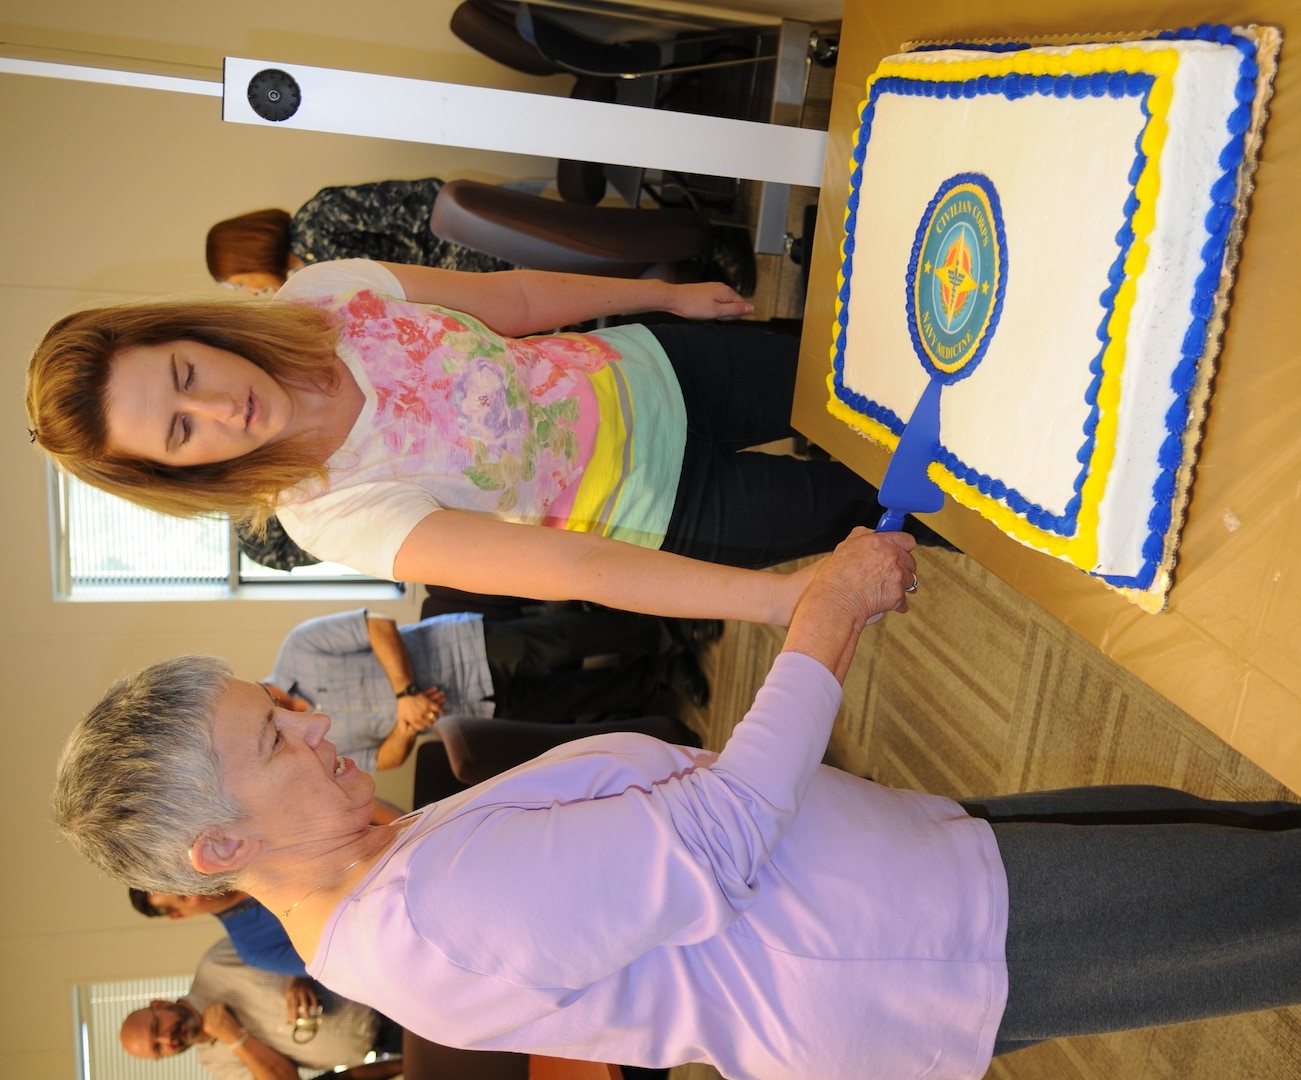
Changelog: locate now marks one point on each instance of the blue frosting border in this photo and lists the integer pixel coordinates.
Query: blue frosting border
(1218, 222)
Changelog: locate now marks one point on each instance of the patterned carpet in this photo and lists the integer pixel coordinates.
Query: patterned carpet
(977, 691)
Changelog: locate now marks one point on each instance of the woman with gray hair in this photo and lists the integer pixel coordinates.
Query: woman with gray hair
(622, 899)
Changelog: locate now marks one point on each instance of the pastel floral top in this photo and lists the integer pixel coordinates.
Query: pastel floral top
(575, 431)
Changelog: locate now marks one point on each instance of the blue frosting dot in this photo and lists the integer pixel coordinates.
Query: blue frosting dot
(1171, 452)
(1225, 188)
(1194, 338)
(1181, 381)
(1164, 488)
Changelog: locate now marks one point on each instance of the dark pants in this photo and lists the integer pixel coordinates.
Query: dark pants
(1136, 906)
(750, 509)
(533, 664)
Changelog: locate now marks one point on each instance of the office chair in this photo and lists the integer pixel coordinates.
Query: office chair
(582, 55)
(536, 43)
(549, 234)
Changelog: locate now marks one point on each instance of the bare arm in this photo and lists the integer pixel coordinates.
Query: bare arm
(480, 554)
(862, 579)
(519, 302)
(390, 650)
(413, 713)
(264, 1062)
(396, 747)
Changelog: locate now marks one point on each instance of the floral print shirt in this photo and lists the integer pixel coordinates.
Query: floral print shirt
(576, 431)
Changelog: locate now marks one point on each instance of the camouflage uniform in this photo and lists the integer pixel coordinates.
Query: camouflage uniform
(388, 221)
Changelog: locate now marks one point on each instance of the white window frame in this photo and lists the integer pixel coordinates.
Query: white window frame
(321, 582)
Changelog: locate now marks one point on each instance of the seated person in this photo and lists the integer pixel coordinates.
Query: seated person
(383, 684)
(258, 938)
(622, 899)
(388, 221)
(248, 1024)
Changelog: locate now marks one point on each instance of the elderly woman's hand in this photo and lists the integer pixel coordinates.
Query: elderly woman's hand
(867, 575)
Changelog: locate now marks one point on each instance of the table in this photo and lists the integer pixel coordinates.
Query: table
(1227, 649)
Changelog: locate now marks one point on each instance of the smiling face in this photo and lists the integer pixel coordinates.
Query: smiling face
(285, 776)
(183, 403)
(163, 1029)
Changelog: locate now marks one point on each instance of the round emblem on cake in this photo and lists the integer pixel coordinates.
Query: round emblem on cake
(956, 276)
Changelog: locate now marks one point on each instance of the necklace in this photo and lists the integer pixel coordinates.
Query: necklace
(391, 830)
(328, 881)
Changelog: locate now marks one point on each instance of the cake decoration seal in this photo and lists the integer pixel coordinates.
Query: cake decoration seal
(956, 276)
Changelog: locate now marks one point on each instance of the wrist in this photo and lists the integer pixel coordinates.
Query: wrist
(410, 690)
(243, 1038)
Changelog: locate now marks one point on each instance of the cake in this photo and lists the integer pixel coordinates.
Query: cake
(1048, 232)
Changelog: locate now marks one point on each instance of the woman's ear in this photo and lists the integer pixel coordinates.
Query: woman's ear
(216, 854)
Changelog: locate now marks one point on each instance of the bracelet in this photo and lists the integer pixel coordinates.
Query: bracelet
(243, 1038)
(412, 690)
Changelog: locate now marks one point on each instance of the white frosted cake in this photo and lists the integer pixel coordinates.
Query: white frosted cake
(1049, 232)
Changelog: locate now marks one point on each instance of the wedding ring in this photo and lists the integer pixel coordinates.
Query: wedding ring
(913, 587)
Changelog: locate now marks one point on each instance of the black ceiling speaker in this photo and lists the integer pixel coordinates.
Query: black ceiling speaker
(274, 94)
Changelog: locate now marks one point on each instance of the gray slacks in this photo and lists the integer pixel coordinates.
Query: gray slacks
(1136, 906)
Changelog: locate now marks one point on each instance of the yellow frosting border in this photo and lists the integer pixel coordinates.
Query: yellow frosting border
(1082, 548)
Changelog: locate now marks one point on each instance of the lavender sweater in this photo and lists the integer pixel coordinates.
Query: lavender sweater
(621, 899)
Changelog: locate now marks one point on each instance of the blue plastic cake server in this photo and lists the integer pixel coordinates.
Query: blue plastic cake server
(905, 488)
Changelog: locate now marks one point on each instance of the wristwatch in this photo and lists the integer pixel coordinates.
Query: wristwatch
(412, 690)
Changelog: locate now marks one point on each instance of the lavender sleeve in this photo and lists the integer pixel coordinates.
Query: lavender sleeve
(637, 849)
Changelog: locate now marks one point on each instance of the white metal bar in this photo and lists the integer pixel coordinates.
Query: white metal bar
(77, 73)
(447, 114)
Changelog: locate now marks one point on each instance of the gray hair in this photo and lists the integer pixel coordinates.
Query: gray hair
(138, 780)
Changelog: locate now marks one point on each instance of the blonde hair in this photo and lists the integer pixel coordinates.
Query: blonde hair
(67, 381)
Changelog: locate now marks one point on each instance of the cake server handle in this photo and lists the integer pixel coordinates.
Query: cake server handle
(906, 488)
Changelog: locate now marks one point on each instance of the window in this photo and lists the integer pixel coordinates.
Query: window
(98, 1010)
(105, 548)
